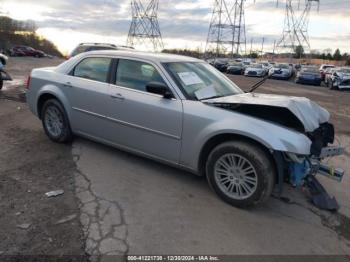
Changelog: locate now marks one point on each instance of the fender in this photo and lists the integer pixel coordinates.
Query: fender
(198, 131)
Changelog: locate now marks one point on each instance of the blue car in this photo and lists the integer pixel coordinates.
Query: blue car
(309, 75)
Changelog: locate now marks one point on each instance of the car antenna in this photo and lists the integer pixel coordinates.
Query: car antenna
(258, 84)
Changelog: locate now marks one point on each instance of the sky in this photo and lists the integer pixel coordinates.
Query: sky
(184, 24)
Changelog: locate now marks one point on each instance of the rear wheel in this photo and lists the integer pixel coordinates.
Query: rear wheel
(55, 122)
(241, 173)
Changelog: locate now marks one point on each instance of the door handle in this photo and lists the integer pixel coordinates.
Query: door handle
(118, 96)
(68, 84)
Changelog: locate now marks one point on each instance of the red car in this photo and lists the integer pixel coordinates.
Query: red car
(26, 51)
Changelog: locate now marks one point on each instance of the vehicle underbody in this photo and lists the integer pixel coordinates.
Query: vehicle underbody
(299, 171)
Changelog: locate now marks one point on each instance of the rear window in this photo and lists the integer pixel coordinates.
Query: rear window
(93, 68)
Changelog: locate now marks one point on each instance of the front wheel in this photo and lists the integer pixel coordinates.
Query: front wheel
(241, 173)
(55, 122)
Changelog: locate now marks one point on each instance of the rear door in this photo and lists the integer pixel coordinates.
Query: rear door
(143, 121)
(87, 88)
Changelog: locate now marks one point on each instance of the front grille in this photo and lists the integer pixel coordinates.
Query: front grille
(252, 73)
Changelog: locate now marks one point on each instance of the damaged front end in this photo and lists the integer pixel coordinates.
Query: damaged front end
(301, 171)
(306, 117)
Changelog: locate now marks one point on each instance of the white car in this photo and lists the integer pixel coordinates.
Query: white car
(340, 79)
(255, 70)
(281, 71)
(266, 65)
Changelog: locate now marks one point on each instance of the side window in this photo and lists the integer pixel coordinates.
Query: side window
(136, 74)
(94, 68)
(79, 50)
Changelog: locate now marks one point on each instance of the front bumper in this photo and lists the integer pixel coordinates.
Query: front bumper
(254, 73)
(237, 71)
(311, 81)
(300, 168)
(279, 76)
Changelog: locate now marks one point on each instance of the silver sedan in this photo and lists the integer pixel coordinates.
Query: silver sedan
(180, 111)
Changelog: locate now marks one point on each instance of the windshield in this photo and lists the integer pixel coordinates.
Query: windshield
(235, 64)
(310, 70)
(282, 66)
(256, 66)
(201, 81)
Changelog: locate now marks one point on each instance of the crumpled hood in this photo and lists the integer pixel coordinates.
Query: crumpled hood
(308, 112)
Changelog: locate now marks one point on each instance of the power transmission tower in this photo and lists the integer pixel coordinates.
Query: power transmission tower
(144, 29)
(227, 33)
(296, 27)
(303, 25)
(288, 39)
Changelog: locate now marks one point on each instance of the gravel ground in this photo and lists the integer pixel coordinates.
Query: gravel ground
(30, 166)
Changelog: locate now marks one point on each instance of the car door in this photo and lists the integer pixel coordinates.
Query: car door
(143, 121)
(87, 89)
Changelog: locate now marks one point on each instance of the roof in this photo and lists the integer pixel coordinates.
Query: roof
(154, 57)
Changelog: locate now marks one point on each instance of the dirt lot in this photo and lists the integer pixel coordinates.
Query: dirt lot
(117, 203)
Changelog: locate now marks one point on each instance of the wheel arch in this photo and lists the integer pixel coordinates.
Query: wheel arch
(42, 99)
(221, 138)
(52, 92)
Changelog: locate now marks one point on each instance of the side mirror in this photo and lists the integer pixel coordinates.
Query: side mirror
(159, 89)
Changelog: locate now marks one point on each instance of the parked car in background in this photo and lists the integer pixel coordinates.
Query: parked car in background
(309, 75)
(328, 75)
(340, 78)
(281, 71)
(235, 68)
(266, 65)
(181, 111)
(87, 47)
(246, 64)
(323, 69)
(22, 50)
(297, 67)
(4, 76)
(255, 70)
(3, 59)
(221, 64)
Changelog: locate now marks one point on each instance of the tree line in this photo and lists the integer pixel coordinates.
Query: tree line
(14, 32)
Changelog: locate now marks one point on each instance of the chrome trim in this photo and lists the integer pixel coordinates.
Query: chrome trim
(127, 124)
(139, 91)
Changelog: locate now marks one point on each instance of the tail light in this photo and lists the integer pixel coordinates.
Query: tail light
(27, 83)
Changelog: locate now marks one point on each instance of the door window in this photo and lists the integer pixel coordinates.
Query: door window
(136, 74)
(93, 68)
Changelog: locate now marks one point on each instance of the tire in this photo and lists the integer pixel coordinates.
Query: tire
(57, 129)
(255, 159)
(1, 82)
